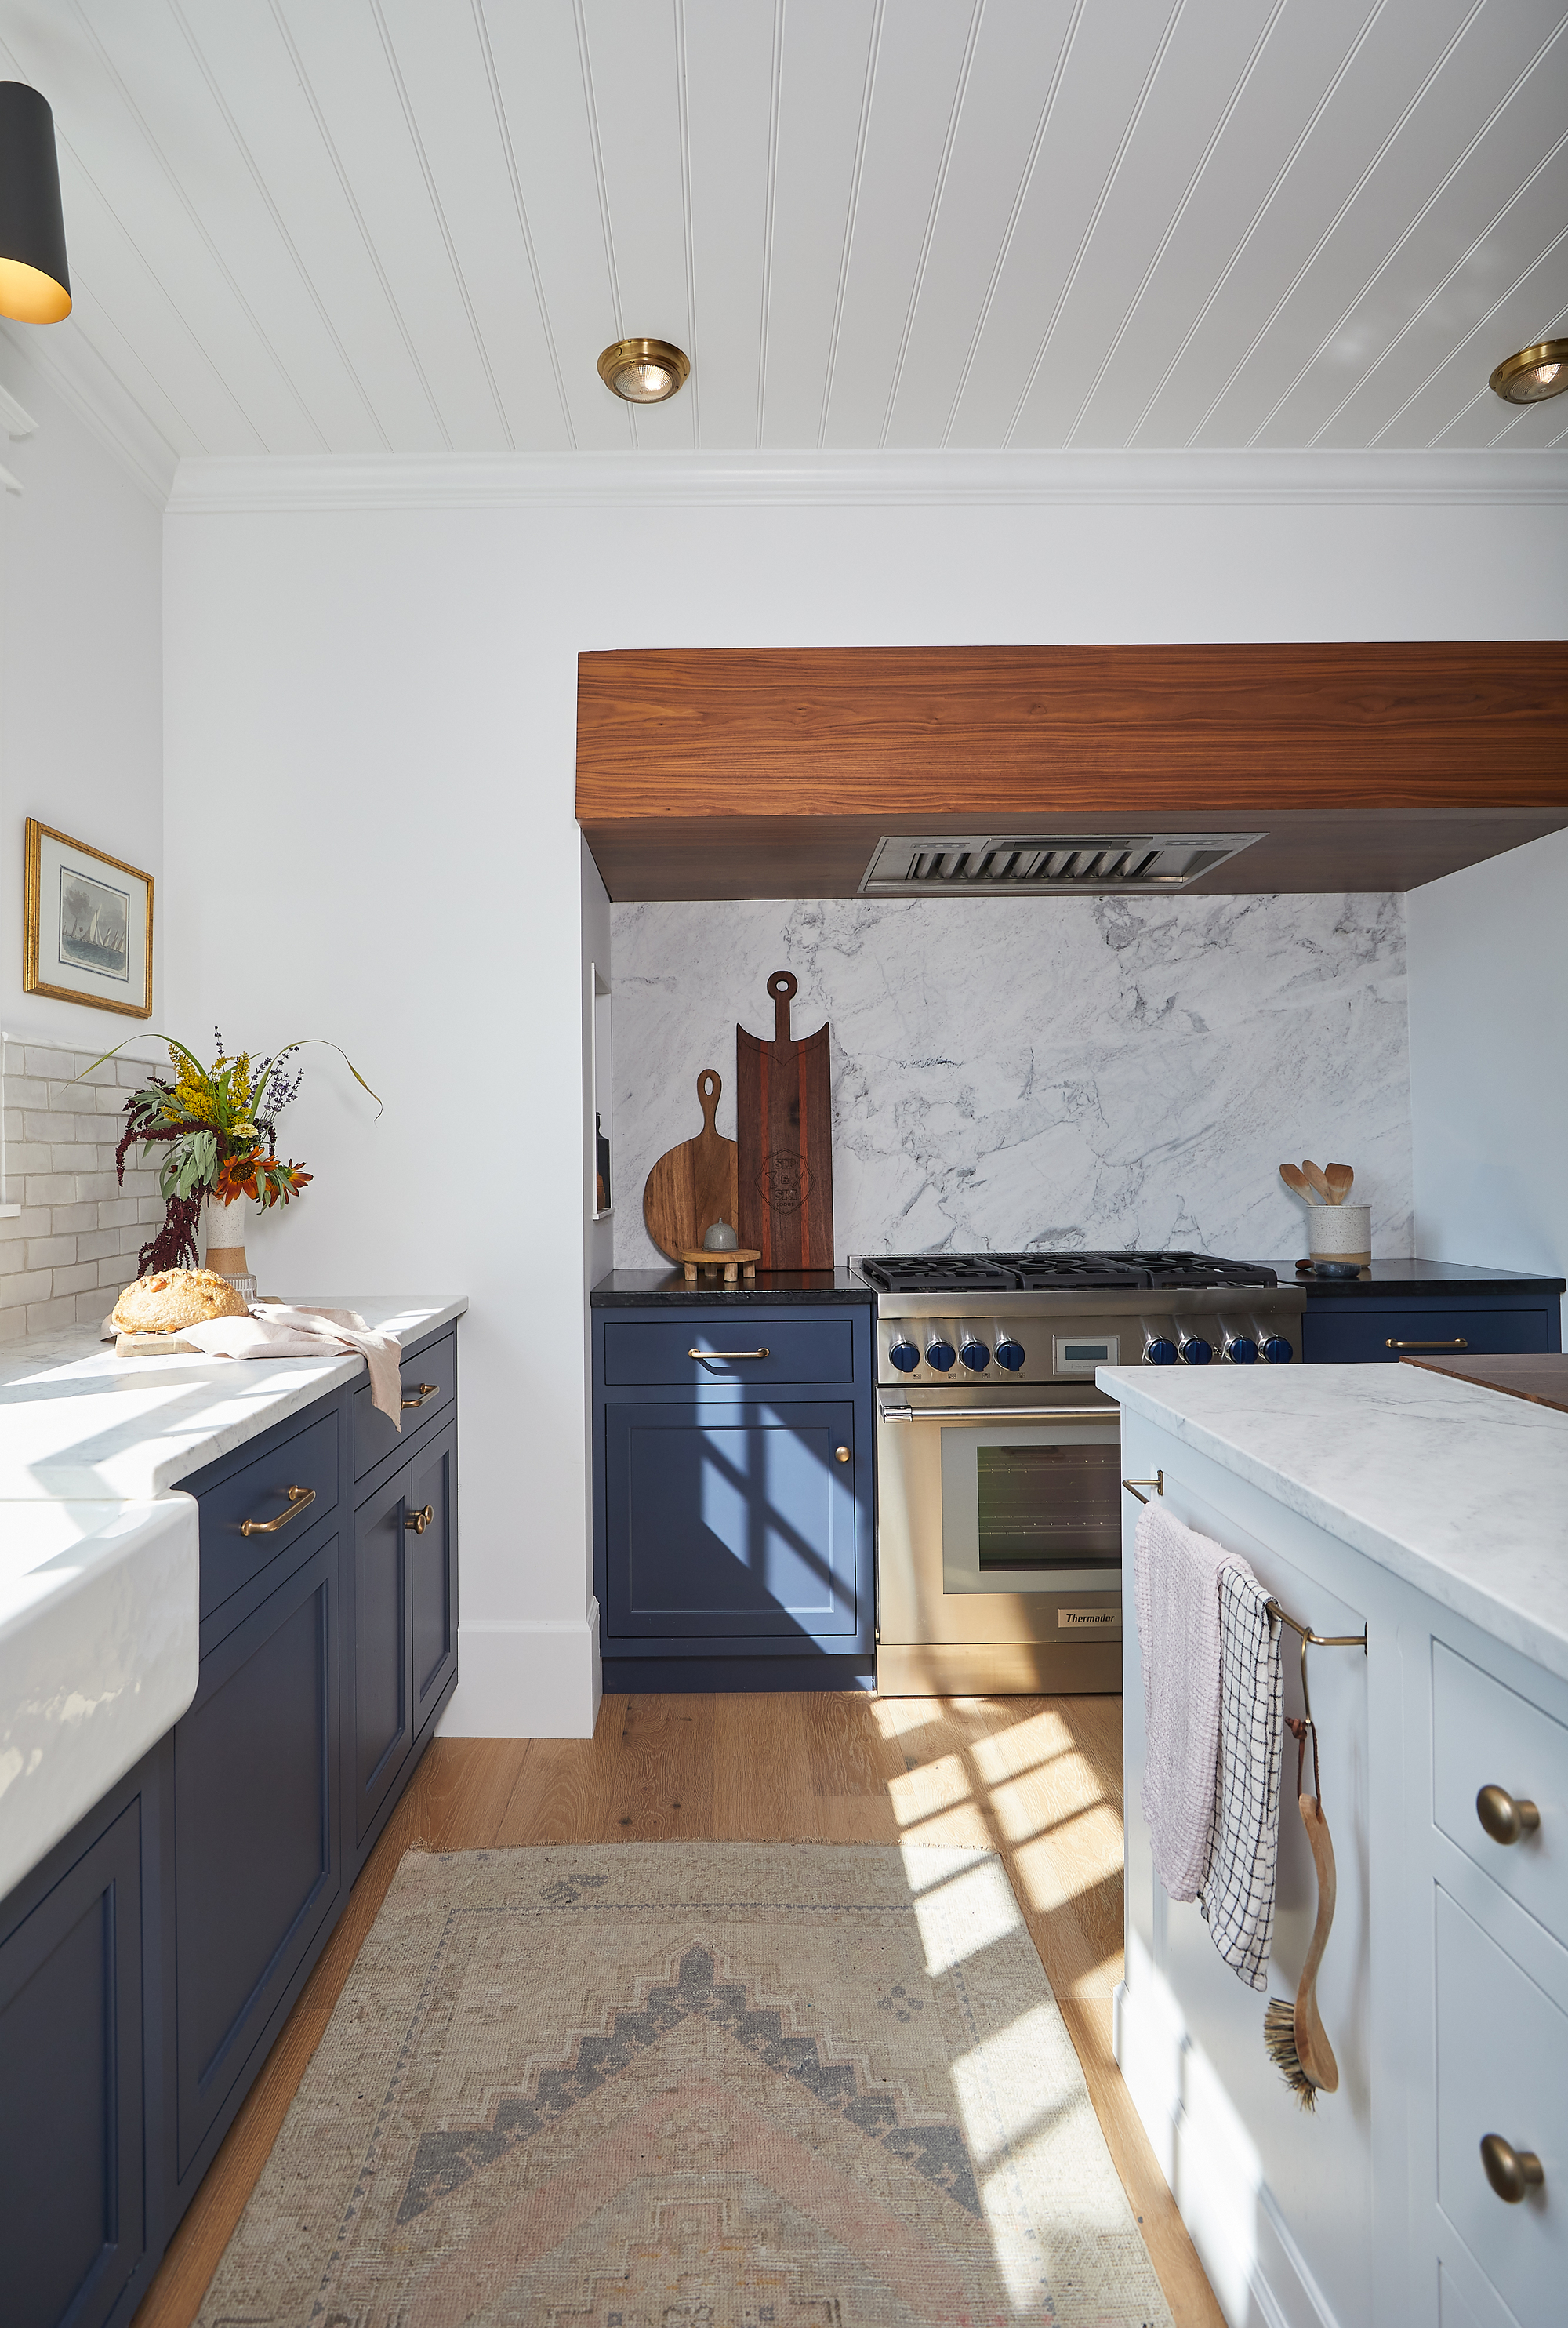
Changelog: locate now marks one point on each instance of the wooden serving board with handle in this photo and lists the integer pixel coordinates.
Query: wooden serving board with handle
(694, 1185)
(784, 1133)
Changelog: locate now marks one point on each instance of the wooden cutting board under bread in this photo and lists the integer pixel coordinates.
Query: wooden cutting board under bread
(694, 1185)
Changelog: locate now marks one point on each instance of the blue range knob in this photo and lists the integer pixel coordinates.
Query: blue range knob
(975, 1356)
(904, 1355)
(1159, 1352)
(1010, 1353)
(1277, 1351)
(939, 1354)
(1196, 1351)
(1242, 1350)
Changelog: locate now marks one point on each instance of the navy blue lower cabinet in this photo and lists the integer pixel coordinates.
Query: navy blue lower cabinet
(433, 1573)
(1359, 1331)
(381, 1712)
(733, 1502)
(72, 2152)
(257, 1864)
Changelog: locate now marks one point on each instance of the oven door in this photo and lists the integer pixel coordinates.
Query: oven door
(997, 1527)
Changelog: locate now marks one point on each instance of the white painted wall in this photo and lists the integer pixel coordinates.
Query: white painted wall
(371, 677)
(1488, 1060)
(80, 677)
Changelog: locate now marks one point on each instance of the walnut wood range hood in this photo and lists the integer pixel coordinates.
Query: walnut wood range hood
(838, 772)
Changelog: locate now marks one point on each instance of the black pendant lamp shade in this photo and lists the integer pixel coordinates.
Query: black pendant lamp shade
(35, 287)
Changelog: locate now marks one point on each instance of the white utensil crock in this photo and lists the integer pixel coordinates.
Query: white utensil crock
(1340, 1232)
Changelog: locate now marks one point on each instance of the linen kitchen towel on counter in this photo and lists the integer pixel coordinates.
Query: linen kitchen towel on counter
(1176, 1573)
(1237, 1897)
(282, 1330)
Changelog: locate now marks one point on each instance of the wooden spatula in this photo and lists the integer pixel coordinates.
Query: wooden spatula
(1318, 1176)
(1339, 1178)
(1296, 1181)
(692, 1185)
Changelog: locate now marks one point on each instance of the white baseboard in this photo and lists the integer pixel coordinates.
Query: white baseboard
(526, 1678)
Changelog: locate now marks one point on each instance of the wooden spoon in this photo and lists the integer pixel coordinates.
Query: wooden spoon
(1296, 1181)
(1313, 2049)
(1339, 1178)
(1318, 1176)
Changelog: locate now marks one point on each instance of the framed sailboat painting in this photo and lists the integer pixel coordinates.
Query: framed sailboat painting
(87, 925)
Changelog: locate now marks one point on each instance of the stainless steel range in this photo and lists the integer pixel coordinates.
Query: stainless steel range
(999, 1533)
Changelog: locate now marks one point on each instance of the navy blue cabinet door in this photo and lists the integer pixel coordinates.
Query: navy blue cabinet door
(433, 1573)
(731, 1519)
(1361, 1333)
(257, 1863)
(382, 1713)
(71, 2159)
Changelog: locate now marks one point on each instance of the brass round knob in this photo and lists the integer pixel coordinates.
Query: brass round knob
(841, 1454)
(1505, 1819)
(1511, 2173)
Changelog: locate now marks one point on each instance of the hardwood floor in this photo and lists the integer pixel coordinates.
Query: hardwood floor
(1036, 1778)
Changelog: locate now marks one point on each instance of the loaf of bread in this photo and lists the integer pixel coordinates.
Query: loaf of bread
(172, 1298)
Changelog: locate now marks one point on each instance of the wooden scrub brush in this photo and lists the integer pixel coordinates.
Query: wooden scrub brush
(1293, 2034)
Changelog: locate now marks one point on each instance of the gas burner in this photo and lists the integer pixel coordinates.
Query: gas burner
(1046, 1273)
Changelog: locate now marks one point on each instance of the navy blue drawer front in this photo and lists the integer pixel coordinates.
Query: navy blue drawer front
(260, 1494)
(429, 1384)
(1363, 1334)
(794, 1349)
(734, 1520)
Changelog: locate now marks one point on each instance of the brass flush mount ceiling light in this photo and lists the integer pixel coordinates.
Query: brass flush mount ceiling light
(1534, 374)
(644, 372)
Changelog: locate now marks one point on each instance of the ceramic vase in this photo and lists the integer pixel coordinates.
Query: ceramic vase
(225, 1226)
(1340, 1232)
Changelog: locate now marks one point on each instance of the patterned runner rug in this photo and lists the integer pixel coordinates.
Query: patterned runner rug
(699, 2084)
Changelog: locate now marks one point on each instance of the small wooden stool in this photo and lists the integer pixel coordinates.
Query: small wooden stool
(743, 1257)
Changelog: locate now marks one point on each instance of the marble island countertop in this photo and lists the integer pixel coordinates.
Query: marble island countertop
(77, 1422)
(1456, 1490)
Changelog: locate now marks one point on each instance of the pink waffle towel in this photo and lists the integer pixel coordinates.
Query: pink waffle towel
(1175, 1575)
(276, 1329)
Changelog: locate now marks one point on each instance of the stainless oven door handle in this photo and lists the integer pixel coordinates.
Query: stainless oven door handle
(959, 1416)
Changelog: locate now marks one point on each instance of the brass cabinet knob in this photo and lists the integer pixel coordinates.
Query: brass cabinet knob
(1505, 1819)
(419, 1521)
(841, 1454)
(1511, 2173)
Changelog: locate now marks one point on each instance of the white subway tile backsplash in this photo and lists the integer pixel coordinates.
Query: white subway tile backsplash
(75, 1241)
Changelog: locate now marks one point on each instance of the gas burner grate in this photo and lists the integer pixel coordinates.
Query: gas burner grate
(939, 1273)
(1046, 1273)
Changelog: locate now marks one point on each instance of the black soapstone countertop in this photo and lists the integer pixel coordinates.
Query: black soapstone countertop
(1419, 1280)
(667, 1289)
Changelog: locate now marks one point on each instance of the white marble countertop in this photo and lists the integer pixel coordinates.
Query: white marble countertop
(77, 1423)
(1459, 1490)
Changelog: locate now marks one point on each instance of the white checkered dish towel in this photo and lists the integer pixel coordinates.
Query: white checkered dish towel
(1237, 1897)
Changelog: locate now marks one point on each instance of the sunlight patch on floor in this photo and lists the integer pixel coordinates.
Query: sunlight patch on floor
(959, 1913)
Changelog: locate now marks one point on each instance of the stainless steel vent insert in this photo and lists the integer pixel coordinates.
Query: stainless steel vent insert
(1051, 864)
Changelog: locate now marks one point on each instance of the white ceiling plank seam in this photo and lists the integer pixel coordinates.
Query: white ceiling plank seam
(1454, 272)
(329, 144)
(585, 67)
(960, 90)
(862, 131)
(775, 93)
(377, 16)
(1232, 105)
(688, 233)
(1298, 146)
(199, 225)
(1387, 262)
(1025, 181)
(269, 203)
(508, 151)
(1128, 134)
(1408, 113)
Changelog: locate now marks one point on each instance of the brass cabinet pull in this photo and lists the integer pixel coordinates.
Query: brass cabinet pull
(426, 1390)
(841, 1454)
(1511, 2173)
(300, 1499)
(729, 1354)
(1503, 1818)
(418, 1521)
(1458, 1343)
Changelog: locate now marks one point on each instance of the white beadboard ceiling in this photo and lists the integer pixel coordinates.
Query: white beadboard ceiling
(409, 226)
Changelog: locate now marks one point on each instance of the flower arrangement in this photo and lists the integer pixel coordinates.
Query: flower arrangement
(218, 1127)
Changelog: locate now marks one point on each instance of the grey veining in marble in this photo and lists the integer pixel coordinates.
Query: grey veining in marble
(78, 1423)
(1073, 1072)
(1456, 1490)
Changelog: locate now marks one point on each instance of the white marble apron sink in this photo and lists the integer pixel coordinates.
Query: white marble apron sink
(99, 1607)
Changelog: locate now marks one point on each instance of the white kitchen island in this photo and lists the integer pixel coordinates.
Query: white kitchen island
(1434, 1515)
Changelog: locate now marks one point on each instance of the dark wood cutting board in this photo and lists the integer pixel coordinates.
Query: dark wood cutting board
(692, 1185)
(1541, 1376)
(784, 1135)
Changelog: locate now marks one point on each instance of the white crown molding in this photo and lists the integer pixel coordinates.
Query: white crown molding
(68, 365)
(219, 485)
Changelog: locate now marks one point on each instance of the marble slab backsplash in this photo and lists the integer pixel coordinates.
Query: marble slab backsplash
(1056, 1072)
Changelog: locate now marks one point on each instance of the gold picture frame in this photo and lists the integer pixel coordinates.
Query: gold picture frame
(94, 926)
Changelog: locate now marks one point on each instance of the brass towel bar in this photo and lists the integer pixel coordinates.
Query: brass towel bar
(1310, 1639)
